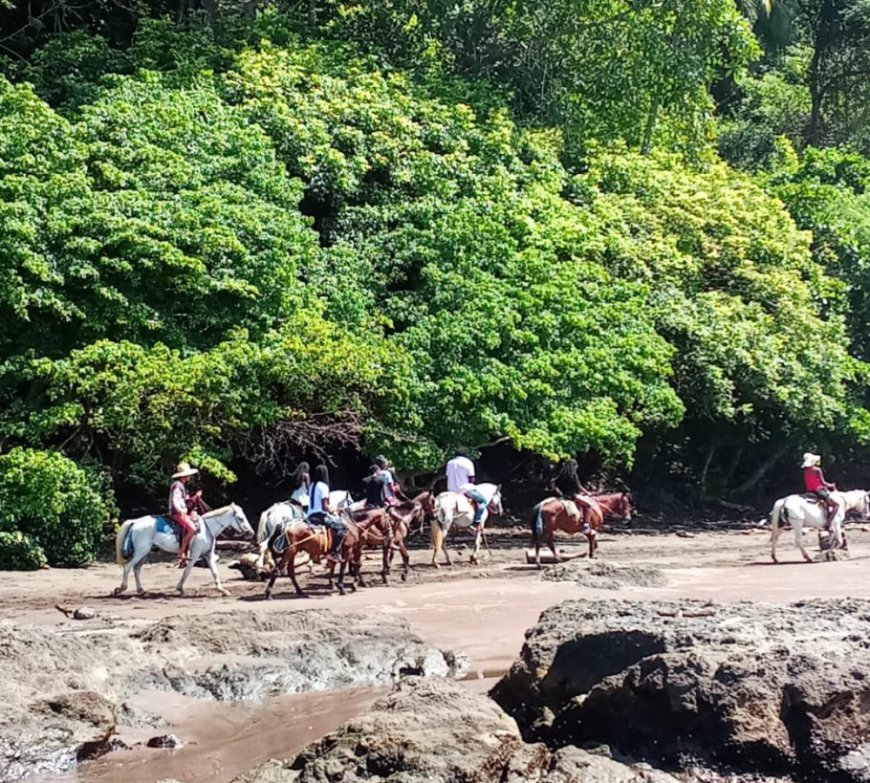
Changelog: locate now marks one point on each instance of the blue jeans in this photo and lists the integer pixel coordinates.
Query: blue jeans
(482, 503)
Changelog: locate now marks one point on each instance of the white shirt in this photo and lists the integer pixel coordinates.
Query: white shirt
(318, 493)
(460, 471)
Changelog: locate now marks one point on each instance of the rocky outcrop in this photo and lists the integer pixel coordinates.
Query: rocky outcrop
(757, 688)
(439, 732)
(235, 655)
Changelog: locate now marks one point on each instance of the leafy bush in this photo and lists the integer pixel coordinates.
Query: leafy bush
(19, 552)
(52, 503)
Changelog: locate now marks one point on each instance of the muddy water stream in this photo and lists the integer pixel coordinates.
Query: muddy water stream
(222, 739)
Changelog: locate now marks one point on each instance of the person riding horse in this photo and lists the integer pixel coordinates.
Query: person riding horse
(319, 512)
(566, 483)
(461, 479)
(815, 484)
(183, 507)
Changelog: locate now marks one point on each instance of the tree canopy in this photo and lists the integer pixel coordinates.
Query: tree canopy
(244, 236)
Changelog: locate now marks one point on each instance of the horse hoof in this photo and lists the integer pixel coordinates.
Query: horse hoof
(117, 591)
(225, 593)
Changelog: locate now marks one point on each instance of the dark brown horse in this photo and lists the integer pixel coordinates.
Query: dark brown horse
(555, 514)
(314, 540)
(387, 530)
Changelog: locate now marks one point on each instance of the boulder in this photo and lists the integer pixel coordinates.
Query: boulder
(440, 732)
(756, 688)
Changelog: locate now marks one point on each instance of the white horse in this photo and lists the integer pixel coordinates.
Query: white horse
(454, 509)
(137, 537)
(800, 513)
(275, 517)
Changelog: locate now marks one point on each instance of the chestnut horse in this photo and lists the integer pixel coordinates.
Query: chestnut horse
(299, 536)
(554, 514)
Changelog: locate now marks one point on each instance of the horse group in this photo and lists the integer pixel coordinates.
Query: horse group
(283, 532)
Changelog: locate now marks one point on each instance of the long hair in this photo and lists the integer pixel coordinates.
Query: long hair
(301, 474)
(321, 473)
(570, 470)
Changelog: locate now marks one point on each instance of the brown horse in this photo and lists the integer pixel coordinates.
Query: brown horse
(387, 529)
(313, 540)
(554, 514)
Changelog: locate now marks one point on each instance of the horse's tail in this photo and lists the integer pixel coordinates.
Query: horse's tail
(537, 521)
(778, 517)
(437, 534)
(120, 538)
(262, 528)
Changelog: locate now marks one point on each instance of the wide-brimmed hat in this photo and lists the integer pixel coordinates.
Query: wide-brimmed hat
(183, 469)
(810, 460)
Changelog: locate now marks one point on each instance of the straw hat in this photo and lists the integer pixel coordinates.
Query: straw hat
(183, 469)
(811, 460)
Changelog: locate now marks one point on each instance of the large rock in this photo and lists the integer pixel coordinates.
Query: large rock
(439, 732)
(780, 690)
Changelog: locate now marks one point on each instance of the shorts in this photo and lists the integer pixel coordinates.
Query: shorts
(185, 521)
(822, 494)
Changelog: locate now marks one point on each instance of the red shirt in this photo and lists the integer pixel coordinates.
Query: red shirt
(813, 479)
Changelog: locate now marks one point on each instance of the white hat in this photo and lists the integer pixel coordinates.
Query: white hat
(183, 469)
(811, 460)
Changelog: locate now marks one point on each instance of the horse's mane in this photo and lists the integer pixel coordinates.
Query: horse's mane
(216, 512)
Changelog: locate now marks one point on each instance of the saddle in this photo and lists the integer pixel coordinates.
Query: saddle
(571, 508)
(170, 526)
(811, 498)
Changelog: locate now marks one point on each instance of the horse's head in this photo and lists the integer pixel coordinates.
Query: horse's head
(622, 509)
(495, 506)
(240, 522)
(426, 501)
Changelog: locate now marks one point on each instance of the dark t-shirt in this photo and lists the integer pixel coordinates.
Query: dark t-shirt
(374, 491)
(568, 486)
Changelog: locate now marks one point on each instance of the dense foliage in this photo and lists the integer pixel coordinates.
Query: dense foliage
(241, 237)
(50, 510)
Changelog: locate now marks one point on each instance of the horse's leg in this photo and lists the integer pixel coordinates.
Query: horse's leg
(799, 539)
(406, 560)
(776, 528)
(280, 565)
(135, 564)
(478, 534)
(291, 572)
(435, 534)
(124, 575)
(191, 562)
(212, 566)
(340, 583)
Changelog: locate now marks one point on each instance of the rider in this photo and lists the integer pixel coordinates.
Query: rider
(567, 484)
(319, 512)
(374, 487)
(461, 478)
(815, 484)
(302, 481)
(181, 504)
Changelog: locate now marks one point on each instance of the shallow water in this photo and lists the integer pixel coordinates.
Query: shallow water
(221, 739)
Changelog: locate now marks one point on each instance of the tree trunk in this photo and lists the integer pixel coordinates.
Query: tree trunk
(312, 15)
(705, 470)
(648, 130)
(760, 472)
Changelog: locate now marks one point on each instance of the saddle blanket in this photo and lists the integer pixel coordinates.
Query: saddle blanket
(323, 534)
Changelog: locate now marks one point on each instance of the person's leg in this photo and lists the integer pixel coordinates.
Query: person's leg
(189, 532)
(338, 533)
(480, 503)
(829, 504)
